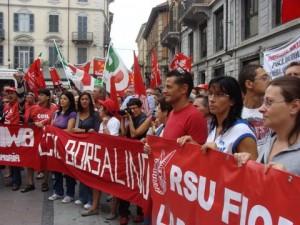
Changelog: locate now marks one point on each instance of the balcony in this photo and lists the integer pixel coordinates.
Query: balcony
(170, 36)
(82, 38)
(2, 35)
(192, 12)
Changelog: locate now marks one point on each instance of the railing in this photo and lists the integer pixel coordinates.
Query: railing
(82, 37)
(184, 5)
(171, 27)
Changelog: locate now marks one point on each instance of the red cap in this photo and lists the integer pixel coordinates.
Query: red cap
(109, 105)
(9, 89)
(203, 86)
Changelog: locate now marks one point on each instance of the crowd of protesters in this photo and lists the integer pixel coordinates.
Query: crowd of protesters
(253, 118)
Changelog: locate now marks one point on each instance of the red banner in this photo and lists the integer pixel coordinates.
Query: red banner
(189, 187)
(18, 145)
(111, 164)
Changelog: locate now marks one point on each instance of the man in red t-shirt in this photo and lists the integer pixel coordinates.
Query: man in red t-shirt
(14, 115)
(39, 115)
(184, 119)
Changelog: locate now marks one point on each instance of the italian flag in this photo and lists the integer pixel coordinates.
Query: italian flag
(115, 67)
(80, 77)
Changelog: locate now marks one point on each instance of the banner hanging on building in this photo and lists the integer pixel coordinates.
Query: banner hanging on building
(188, 187)
(276, 60)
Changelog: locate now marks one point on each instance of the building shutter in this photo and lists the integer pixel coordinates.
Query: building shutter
(31, 22)
(16, 57)
(16, 22)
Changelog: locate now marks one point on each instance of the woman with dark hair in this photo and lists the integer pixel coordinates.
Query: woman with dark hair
(228, 132)
(163, 110)
(281, 113)
(87, 120)
(109, 125)
(64, 119)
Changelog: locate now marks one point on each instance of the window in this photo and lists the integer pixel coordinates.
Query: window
(201, 77)
(191, 44)
(53, 23)
(219, 38)
(1, 55)
(203, 40)
(23, 22)
(82, 27)
(23, 56)
(219, 71)
(82, 55)
(1, 20)
(1, 26)
(52, 60)
(251, 18)
(277, 12)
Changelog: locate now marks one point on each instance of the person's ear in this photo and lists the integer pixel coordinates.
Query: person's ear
(249, 84)
(295, 107)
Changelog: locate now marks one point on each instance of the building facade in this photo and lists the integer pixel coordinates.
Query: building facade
(142, 49)
(157, 21)
(81, 29)
(224, 35)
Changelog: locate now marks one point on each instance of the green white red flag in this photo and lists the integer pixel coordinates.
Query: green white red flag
(79, 76)
(114, 66)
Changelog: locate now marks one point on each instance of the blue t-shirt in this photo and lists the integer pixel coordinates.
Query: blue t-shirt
(61, 120)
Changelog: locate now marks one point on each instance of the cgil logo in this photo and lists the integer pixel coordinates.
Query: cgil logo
(23, 138)
(42, 116)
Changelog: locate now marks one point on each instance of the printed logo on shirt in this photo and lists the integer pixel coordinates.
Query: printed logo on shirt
(260, 130)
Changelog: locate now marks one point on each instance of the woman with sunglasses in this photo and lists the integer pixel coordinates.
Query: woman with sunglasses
(281, 113)
(228, 132)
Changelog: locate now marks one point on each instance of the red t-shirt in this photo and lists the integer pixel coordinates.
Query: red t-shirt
(42, 114)
(12, 114)
(187, 121)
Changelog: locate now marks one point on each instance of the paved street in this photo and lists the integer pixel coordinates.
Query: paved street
(34, 208)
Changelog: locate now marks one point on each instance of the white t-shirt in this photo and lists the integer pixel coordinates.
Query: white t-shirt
(113, 125)
(255, 120)
(229, 141)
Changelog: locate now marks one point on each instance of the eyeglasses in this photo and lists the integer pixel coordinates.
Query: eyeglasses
(269, 102)
(217, 95)
(263, 78)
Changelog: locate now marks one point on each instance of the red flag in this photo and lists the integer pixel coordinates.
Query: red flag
(99, 67)
(54, 76)
(139, 86)
(113, 92)
(86, 80)
(34, 77)
(181, 61)
(155, 72)
(290, 10)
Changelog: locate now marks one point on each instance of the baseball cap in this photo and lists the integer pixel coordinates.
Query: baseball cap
(9, 89)
(109, 105)
(203, 86)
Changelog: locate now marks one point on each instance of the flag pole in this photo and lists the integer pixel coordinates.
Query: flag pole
(60, 57)
(106, 59)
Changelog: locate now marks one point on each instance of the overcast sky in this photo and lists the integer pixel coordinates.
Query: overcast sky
(129, 15)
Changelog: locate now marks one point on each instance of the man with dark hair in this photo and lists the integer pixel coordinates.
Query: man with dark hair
(254, 80)
(39, 115)
(136, 128)
(184, 119)
(293, 69)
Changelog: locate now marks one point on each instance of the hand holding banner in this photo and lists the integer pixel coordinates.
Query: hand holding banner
(191, 188)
